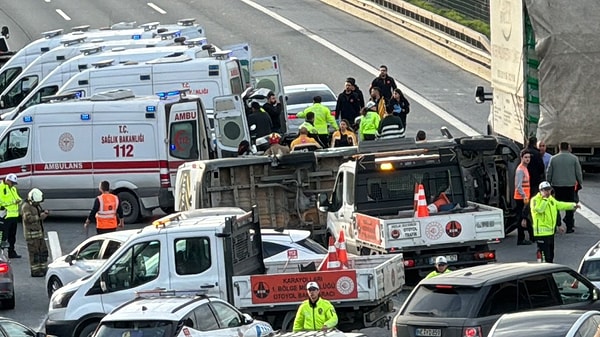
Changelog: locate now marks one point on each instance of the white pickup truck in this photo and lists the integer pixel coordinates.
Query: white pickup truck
(220, 250)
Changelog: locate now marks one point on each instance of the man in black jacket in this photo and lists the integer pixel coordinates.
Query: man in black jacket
(273, 108)
(348, 104)
(384, 82)
(536, 168)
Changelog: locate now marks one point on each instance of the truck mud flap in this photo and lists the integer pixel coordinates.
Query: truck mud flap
(479, 143)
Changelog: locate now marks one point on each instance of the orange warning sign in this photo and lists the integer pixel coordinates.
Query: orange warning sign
(277, 288)
(367, 228)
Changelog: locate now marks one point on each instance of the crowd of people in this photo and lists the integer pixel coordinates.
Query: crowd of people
(382, 116)
(545, 185)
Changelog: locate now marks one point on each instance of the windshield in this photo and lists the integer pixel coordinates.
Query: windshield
(313, 246)
(306, 97)
(443, 301)
(591, 270)
(135, 329)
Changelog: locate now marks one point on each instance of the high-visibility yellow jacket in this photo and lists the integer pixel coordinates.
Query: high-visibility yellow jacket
(437, 273)
(544, 212)
(313, 317)
(323, 117)
(369, 124)
(10, 200)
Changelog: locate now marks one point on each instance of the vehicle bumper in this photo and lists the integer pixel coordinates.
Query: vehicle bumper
(60, 328)
(166, 198)
(6, 289)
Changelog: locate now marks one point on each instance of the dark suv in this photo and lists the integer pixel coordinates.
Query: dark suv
(467, 302)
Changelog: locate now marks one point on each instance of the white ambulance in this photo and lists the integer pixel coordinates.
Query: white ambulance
(209, 77)
(67, 148)
(13, 93)
(49, 85)
(121, 31)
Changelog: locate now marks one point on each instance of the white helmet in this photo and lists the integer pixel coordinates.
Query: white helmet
(35, 195)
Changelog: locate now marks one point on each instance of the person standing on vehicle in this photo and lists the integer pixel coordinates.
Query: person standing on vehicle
(348, 104)
(384, 82)
(399, 105)
(441, 267)
(564, 174)
(323, 119)
(344, 136)
(33, 230)
(107, 210)
(544, 212)
(9, 201)
(273, 108)
(315, 313)
(521, 196)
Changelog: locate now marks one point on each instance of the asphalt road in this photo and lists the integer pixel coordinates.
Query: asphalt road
(318, 44)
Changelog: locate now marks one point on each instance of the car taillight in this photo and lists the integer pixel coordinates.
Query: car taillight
(333, 113)
(292, 117)
(485, 256)
(4, 267)
(473, 331)
(164, 175)
(409, 263)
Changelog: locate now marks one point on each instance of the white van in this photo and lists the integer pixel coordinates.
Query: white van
(50, 84)
(136, 143)
(122, 31)
(17, 90)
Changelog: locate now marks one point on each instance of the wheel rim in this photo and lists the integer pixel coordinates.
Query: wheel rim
(55, 284)
(126, 206)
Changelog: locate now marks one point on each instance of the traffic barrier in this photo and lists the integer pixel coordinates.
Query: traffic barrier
(462, 54)
(421, 210)
(342, 253)
(331, 261)
(439, 202)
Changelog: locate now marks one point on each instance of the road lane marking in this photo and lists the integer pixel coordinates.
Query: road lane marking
(438, 111)
(586, 212)
(156, 8)
(63, 14)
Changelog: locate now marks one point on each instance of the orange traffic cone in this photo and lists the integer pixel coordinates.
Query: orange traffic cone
(330, 262)
(421, 210)
(341, 251)
(439, 202)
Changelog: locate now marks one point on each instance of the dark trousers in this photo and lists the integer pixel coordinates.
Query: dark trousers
(566, 193)
(8, 227)
(369, 137)
(520, 206)
(546, 246)
(105, 230)
(324, 140)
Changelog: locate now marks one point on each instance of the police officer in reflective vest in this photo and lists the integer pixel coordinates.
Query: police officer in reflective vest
(107, 211)
(33, 230)
(9, 202)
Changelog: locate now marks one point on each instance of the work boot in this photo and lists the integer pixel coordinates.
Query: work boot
(13, 254)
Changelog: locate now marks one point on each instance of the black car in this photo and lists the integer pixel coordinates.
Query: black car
(467, 302)
(548, 323)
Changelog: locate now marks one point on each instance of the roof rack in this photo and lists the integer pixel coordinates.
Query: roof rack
(103, 64)
(199, 41)
(52, 33)
(61, 97)
(83, 28)
(91, 50)
(73, 40)
(112, 95)
(150, 25)
(162, 292)
(186, 22)
(123, 25)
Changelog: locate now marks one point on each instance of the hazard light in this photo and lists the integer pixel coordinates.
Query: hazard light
(485, 256)
(165, 94)
(386, 166)
(85, 117)
(27, 119)
(150, 108)
(408, 263)
(136, 37)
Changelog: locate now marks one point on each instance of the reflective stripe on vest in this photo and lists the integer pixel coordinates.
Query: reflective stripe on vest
(106, 217)
(524, 184)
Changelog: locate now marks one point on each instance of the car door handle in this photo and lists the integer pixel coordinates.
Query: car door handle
(23, 168)
(206, 286)
(342, 215)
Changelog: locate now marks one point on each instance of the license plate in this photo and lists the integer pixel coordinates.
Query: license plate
(428, 332)
(449, 258)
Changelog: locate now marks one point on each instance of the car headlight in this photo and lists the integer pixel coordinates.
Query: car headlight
(61, 299)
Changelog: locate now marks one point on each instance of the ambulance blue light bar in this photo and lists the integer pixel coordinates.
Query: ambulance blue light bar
(85, 117)
(165, 94)
(150, 108)
(27, 119)
(136, 37)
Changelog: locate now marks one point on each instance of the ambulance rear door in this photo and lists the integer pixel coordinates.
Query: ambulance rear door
(243, 53)
(265, 73)
(188, 135)
(231, 126)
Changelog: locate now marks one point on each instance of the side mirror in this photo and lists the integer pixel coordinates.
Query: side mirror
(247, 319)
(482, 96)
(103, 283)
(595, 294)
(323, 202)
(69, 259)
(445, 132)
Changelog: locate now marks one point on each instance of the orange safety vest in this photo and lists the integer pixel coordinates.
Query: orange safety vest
(106, 217)
(525, 184)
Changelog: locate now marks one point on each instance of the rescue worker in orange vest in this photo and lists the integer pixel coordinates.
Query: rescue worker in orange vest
(107, 211)
(521, 196)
